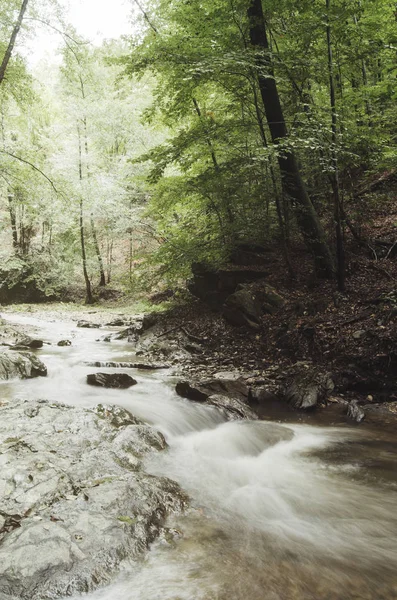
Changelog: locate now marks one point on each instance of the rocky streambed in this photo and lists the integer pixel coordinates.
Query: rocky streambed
(144, 492)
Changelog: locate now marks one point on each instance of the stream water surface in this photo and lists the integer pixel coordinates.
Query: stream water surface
(279, 512)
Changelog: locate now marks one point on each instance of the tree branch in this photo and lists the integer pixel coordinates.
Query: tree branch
(33, 167)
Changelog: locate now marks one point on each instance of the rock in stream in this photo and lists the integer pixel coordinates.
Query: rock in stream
(74, 501)
(22, 365)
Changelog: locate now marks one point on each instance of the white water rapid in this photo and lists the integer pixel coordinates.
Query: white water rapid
(274, 514)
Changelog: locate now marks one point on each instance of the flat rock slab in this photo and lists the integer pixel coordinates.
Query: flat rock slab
(88, 325)
(201, 391)
(74, 501)
(111, 380)
(21, 365)
(126, 365)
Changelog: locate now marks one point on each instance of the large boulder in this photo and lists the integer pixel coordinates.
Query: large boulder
(246, 306)
(74, 500)
(232, 408)
(355, 412)
(243, 308)
(111, 380)
(28, 342)
(214, 286)
(22, 365)
(308, 387)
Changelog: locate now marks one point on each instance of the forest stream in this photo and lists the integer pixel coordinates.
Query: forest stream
(277, 512)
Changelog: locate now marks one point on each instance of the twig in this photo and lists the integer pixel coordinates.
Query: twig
(391, 249)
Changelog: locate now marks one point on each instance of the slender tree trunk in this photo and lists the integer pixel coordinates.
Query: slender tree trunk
(281, 222)
(11, 44)
(292, 183)
(11, 208)
(130, 257)
(88, 299)
(110, 261)
(338, 209)
(102, 279)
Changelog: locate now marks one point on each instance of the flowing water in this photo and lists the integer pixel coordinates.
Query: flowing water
(279, 512)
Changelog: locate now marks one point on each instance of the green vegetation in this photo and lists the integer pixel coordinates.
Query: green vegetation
(218, 122)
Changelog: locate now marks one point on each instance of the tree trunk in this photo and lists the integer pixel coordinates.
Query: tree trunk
(11, 208)
(11, 44)
(110, 260)
(102, 279)
(340, 251)
(292, 182)
(88, 299)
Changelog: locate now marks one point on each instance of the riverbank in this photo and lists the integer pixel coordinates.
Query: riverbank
(270, 506)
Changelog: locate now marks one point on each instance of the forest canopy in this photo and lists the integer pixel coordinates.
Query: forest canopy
(215, 123)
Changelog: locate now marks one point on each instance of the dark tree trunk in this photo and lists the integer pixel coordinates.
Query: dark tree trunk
(11, 208)
(102, 279)
(340, 251)
(11, 44)
(88, 299)
(292, 182)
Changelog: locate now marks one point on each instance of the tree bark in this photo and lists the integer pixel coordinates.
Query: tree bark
(11, 208)
(88, 299)
(292, 182)
(102, 279)
(11, 44)
(340, 251)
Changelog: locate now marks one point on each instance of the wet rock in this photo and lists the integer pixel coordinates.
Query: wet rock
(191, 391)
(232, 407)
(28, 342)
(116, 415)
(200, 392)
(88, 325)
(64, 343)
(355, 412)
(243, 308)
(74, 501)
(111, 380)
(126, 365)
(262, 396)
(22, 365)
(308, 387)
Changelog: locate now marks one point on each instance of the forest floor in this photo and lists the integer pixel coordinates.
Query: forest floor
(352, 335)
